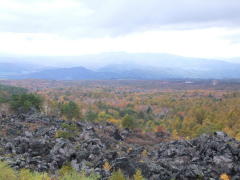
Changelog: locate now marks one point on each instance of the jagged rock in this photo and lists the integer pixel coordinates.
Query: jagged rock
(82, 155)
(117, 135)
(124, 164)
(75, 165)
(31, 142)
(28, 134)
(64, 148)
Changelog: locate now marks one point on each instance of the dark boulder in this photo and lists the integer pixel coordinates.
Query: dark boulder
(30, 141)
(125, 165)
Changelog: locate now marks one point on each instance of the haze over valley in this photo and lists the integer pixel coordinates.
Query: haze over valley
(118, 66)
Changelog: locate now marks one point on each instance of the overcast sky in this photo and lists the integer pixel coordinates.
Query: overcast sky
(195, 28)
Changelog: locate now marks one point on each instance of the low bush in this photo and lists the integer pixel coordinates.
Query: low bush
(74, 175)
(26, 174)
(64, 134)
(25, 102)
(7, 173)
(117, 175)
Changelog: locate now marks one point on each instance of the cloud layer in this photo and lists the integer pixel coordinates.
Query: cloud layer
(199, 28)
(114, 17)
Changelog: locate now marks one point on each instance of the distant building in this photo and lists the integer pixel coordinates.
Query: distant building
(188, 82)
(214, 82)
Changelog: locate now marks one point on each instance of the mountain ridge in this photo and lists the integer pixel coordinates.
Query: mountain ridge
(134, 66)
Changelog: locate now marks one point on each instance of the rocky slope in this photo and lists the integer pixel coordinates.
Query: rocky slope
(45, 143)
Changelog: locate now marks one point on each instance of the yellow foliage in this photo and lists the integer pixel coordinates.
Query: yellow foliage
(65, 170)
(138, 175)
(117, 175)
(225, 177)
(144, 153)
(229, 131)
(103, 116)
(237, 136)
(107, 166)
(114, 121)
(175, 135)
(25, 174)
(6, 173)
(66, 173)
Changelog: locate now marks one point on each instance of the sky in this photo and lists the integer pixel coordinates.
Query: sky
(192, 28)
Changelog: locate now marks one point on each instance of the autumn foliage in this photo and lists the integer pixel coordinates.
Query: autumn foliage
(184, 110)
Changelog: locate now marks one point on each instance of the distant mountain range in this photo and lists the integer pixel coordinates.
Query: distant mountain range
(122, 66)
(14, 69)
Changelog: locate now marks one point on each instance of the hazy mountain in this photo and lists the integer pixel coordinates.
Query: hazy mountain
(127, 66)
(9, 69)
(75, 73)
(97, 61)
(170, 66)
(234, 60)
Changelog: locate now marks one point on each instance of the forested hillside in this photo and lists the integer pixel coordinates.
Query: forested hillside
(182, 108)
(179, 107)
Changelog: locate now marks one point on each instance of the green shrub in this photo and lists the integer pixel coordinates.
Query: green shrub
(12, 89)
(70, 110)
(25, 102)
(91, 116)
(64, 134)
(128, 122)
(70, 127)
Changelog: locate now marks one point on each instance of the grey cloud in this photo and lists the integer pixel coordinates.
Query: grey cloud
(119, 17)
(139, 14)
